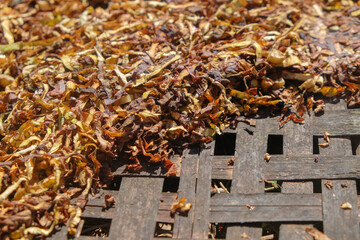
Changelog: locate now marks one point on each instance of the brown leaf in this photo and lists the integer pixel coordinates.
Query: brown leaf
(316, 234)
(109, 201)
(267, 157)
(180, 207)
(328, 184)
(346, 205)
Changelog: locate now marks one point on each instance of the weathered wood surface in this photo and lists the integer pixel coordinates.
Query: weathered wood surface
(297, 140)
(339, 223)
(166, 200)
(297, 167)
(293, 167)
(271, 207)
(344, 122)
(203, 187)
(247, 176)
(187, 185)
(136, 208)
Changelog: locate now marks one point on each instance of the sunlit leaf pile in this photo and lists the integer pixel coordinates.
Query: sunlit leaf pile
(87, 85)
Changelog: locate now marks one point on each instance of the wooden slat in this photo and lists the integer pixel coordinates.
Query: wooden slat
(183, 224)
(98, 212)
(312, 167)
(99, 198)
(269, 207)
(338, 122)
(339, 223)
(136, 210)
(89, 238)
(152, 171)
(297, 140)
(60, 233)
(231, 200)
(297, 167)
(202, 200)
(247, 178)
(166, 200)
(290, 167)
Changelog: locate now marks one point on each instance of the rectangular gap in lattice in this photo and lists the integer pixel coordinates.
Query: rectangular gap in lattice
(217, 230)
(225, 144)
(171, 185)
(96, 227)
(355, 145)
(272, 186)
(275, 144)
(164, 230)
(220, 186)
(115, 183)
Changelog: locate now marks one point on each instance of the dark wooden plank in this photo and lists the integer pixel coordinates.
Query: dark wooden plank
(98, 212)
(89, 238)
(136, 210)
(166, 200)
(187, 185)
(312, 167)
(247, 176)
(297, 167)
(232, 208)
(297, 140)
(294, 231)
(339, 223)
(99, 198)
(232, 200)
(338, 122)
(153, 171)
(59, 233)
(203, 187)
(249, 153)
(221, 168)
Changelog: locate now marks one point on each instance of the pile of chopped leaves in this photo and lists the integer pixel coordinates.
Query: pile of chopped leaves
(86, 85)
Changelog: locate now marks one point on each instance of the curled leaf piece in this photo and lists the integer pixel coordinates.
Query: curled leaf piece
(327, 139)
(316, 234)
(180, 207)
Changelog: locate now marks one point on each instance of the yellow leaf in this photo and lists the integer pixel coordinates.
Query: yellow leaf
(6, 80)
(238, 94)
(6, 25)
(66, 61)
(240, 44)
(331, 91)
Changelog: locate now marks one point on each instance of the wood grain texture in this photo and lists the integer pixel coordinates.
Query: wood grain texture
(343, 122)
(297, 167)
(339, 223)
(297, 140)
(187, 188)
(203, 187)
(136, 208)
(247, 174)
(271, 207)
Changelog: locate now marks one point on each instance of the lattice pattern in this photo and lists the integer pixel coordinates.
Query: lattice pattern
(304, 170)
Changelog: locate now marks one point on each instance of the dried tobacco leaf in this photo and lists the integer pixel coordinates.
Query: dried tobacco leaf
(180, 207)
(346, 205)
(316, 234)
